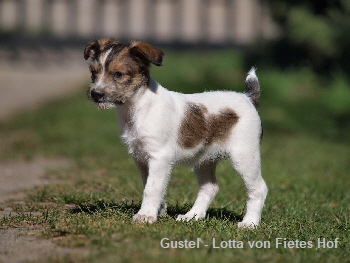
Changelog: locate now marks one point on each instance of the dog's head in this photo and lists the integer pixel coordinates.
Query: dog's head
(119, 71)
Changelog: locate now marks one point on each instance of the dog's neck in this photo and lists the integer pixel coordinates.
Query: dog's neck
(126, 111)
(151, 88)
(153, 85)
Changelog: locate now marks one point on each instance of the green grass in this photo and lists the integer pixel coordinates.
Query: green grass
(305, 162)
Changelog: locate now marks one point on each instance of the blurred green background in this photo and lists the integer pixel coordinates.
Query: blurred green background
(300, 49)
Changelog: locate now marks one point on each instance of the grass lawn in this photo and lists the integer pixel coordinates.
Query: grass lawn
(305, 162)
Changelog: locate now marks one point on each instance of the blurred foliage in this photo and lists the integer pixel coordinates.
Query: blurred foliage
(314, 34)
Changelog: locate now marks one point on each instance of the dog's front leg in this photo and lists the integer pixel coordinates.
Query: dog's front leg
(154, 192)
(144, 169)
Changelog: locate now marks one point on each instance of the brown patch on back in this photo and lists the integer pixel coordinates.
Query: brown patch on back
(194, 126)
(197, 126)
(221, 125)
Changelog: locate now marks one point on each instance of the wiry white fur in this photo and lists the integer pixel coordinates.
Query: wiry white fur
(252, 74)
(150, 124)
(103, 58)
(100, 83)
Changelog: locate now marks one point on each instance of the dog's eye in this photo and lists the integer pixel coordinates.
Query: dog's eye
(118, 75)
(93, 75)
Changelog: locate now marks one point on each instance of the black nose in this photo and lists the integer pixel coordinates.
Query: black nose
(97, 95)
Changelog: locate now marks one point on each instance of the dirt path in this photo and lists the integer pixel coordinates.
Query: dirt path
(25, 86)
(20, 174)
(19, 245)
(24, 243)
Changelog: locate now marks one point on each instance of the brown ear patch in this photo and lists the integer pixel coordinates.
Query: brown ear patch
(198, 126)
(147, 52)
(92, 50)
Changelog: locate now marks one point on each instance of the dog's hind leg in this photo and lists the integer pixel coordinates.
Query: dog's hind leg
(208, 188)
(247, 164)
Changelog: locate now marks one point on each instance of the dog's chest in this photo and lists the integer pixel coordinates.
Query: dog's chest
(133, 138)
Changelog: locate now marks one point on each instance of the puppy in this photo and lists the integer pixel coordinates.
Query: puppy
(162, 128)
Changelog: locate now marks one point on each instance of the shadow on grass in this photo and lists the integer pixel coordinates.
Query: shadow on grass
(172, 211)
(224, 214)
(100, 206)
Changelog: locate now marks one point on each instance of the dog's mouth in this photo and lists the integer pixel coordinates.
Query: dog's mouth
(97, 96)
(99, 99)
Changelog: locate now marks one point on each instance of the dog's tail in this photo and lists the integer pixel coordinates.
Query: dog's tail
(252, 87)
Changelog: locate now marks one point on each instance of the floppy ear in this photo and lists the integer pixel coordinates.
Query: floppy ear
(147, 52)
(95, 48)
(92, 50)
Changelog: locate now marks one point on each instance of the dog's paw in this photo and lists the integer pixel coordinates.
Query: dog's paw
(184, 218)
(144, 219)
(190, 216)
(162, 210)
(248, 225)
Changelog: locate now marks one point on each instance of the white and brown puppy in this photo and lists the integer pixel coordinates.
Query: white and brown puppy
(162, 128)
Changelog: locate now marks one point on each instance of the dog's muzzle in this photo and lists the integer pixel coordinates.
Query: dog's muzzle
(97, 96)
(100, 98)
